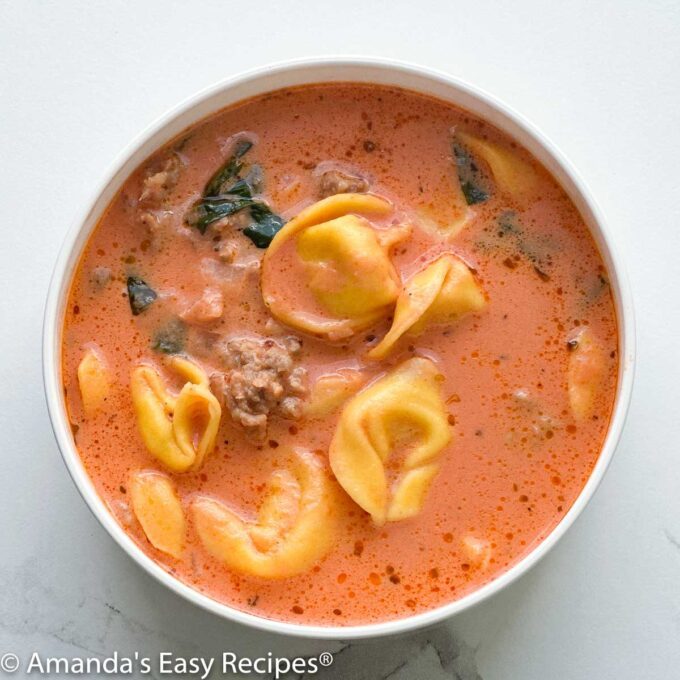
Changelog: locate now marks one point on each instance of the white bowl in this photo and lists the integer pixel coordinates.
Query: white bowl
(230, 91)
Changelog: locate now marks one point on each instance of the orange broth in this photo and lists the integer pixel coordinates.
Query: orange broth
(517, 459)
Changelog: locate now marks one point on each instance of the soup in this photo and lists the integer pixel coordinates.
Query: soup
(340, 354)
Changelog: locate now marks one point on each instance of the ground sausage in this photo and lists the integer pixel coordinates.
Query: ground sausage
(261, 381)
(158, 183)
(156, 187)
(334, 182)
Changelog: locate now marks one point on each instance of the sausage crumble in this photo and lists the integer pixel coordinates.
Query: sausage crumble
(261, 381)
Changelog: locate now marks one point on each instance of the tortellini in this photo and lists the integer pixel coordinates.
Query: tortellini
(294, 529)
(180, 431)
(585, 373)
(93, 381)
(510, 172)
(441, 293)
(331, 390)
(159, 511)
(402, 412)
(341, 259)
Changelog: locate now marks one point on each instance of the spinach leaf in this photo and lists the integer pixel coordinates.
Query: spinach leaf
(170, 338)
(209, 210)
(473, 183)
(140, 294)
(229, 170)
(228, 193)
(265, 227)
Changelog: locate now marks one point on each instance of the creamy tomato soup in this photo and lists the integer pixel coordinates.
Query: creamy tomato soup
(340, 354)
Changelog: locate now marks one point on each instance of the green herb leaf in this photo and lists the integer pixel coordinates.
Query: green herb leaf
(227, 193)
(170, 338)
(474, 184)
(140, 294)
(209, 210)
(230, 170)
(265, 226)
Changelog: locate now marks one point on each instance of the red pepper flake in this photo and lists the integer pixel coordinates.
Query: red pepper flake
(296, 609)
(358, 548)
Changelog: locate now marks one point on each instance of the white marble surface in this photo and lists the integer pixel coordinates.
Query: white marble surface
(79, 79)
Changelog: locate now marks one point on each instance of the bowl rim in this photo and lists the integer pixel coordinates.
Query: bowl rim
(71, 250)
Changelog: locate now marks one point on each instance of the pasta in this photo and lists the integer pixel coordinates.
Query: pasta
(585, 373)
(441, 293)
(344, 261)
(401, 411)
(158, 509)
(511, 174)
(93, 381)
(331, 390)
(294, 529)
(178, 431)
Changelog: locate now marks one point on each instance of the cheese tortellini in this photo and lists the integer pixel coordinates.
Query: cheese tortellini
(93, 381)
(180, 431)
(441, 293)
(159, 510)
(331, 390)
(585, 373)
(510, 172)
(294, 529)
(402, 412)
(341, 259)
